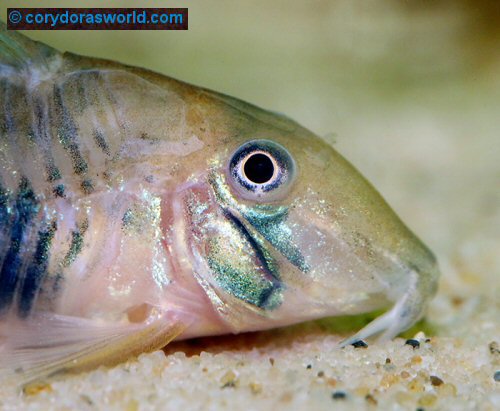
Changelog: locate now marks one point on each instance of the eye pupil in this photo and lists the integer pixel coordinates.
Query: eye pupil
(259, 168)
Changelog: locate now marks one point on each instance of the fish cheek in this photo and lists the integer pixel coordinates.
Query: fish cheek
(238, 271)
(234, 264)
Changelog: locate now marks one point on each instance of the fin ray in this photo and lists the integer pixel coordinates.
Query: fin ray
(48, 344)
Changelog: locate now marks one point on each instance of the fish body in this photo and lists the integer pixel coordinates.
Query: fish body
(136, 209)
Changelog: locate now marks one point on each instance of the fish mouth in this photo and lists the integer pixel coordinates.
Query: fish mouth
(409, 307)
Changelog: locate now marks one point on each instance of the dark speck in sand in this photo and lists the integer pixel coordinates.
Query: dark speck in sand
(436, 381)
(339, 395)
(370, 399)
(413, 343)
(359, 344)
(494, 348)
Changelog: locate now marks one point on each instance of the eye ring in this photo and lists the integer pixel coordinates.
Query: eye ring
(261, 169)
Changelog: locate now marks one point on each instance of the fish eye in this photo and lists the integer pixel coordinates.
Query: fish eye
(261, 167)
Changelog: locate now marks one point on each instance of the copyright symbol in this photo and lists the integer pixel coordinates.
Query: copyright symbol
(15, 16)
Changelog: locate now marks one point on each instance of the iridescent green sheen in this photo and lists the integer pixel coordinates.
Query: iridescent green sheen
(264, 223)
(242, 280)
(270, 222)
(256, 281)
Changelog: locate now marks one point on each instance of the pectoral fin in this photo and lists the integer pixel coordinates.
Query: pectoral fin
(47, 344)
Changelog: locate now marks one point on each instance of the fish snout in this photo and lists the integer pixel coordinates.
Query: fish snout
(410, 287)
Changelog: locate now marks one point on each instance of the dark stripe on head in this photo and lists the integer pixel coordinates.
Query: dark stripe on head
(42, 138)
(97, 96)
(18, 117)
(3, 99)
(37, 270)
(101, 142)
(273, 228)
(25, 208)
(85, 86)
(265, 260)
(53, 173)
(76, 244)
(59, 190)
(4, 197)
(68, 132)
(87, 186)
(7, 125)
(4, 220)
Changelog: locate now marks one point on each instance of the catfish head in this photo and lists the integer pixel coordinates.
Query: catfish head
(281, 228)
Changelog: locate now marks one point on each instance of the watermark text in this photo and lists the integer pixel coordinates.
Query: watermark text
(97, 19)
